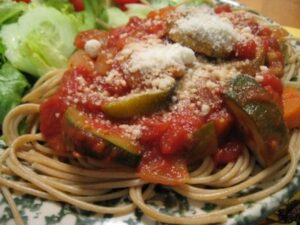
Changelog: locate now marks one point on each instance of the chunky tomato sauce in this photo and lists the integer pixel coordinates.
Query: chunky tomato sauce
(165, 137)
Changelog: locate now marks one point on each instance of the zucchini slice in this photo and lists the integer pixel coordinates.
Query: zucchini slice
(136, 104)
(205, 143)
(258, 118)
(119, 149)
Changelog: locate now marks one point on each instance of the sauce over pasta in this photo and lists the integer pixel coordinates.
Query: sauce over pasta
(152, 94)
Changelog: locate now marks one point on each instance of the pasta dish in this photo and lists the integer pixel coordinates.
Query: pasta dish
(197, 99)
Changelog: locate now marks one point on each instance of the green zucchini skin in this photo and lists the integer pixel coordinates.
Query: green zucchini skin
(258, 118)
(136, 104)
(117, 148)
(205, 143)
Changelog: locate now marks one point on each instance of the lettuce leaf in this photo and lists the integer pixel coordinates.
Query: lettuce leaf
(116, 17)
(2, 50)
(62, 5)
(157, 4)
(12, 86)
(84, 20)
(139, 10)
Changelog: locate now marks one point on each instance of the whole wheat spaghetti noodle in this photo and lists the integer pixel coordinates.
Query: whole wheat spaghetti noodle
(99, 183)
(83, 182)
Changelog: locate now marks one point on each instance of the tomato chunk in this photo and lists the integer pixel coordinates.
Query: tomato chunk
(270, 43)
(174, 141)
(272, 81)
(51, 115)
(229, 152)
(254, 27)
(265, 31)
(155, 130)
(167, 170)
(245, 50)
(78, 5)
(26, 1)
(179, 134)
(222, 8)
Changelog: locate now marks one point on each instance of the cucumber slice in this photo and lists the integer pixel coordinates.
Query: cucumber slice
(121, 149)
(259, 120)
(136, 104)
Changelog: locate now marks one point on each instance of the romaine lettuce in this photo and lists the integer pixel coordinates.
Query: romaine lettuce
(157, 4)
(85, 19)
(116, 17)
(2, 50)
(12, 86)
(139, 10)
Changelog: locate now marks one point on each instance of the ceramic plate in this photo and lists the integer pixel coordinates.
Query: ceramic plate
(36, 211)
(42, 212)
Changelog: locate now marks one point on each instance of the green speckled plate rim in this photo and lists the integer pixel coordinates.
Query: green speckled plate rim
(39, 212)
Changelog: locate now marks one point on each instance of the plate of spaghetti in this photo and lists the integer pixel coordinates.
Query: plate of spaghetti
(189, 115)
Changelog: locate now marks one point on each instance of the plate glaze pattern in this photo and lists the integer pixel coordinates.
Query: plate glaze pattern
(42, 212)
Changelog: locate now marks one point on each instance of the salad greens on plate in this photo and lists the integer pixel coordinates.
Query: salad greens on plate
(37, 36)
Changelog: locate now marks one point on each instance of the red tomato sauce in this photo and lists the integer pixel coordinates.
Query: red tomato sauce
(164, 141)
(228, 152)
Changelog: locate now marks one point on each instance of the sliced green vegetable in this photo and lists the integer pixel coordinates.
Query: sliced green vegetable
(40, 41)
(12, 86)
(136, 104)
(121, 149)
(259, 119)
(205, 143)
(11, 10)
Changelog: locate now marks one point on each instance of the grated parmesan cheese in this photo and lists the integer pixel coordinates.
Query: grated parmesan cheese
(259, 78)
(163, 83)
(214, 73)
(207, 27)
(155, 57)
(133, 132)
(263, 68)
(205, 109)
(114, 77)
